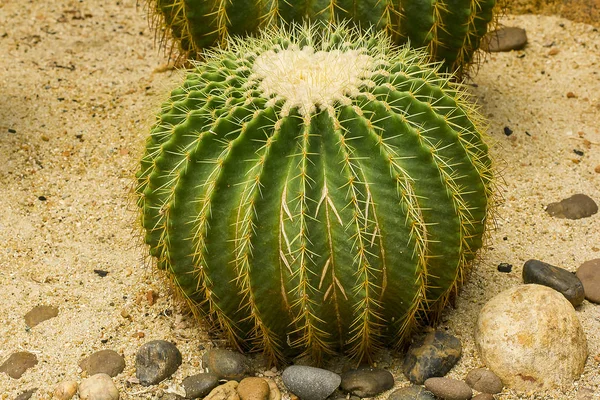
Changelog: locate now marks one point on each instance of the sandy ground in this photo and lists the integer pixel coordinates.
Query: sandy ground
(78, 89)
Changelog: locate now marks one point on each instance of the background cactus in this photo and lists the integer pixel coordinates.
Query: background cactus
(450, 29)
(316, 190)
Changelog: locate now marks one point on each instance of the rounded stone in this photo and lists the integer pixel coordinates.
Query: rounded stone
(98, 387)
(559, 279)
(199, 385)
(226, 364)
(367, 382)
(589, 275)
(156, 361)
(39, 314)
(226, 391)
(310, 383)
(412, 393)
(431, 355)
(504, 39)
(65, 390)
(103, 362)
(484, 380)
(530, 336)
(449, 389)
(253, 388)
(484, 396)
(17, 363)
(575, 207)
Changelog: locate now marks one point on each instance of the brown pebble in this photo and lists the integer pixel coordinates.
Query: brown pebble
(253, 388)
(151, 297)
(138, 335)
(597, 169)
(449, 389)
(589, 275)
(554, 51)
(226, 391)
(571, 95)
(19, 362)
(40, 314)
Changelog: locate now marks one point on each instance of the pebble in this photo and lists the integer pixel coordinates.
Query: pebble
(504, 39)
(310, 383)
(575, 207)
(103, 362)
(19, 362)
(412, 393)
(226, 364)
(40, 314)
(274, 392)
(65, 390)
(484, 380)
(483, 396)
(589, 274)
(156, 361)
(530, 336)
(226, 391)
(253, 388)
(432, 355)
(98, 387)
(367, 382)
(449, 389)
(199, 385)
(559, 279)
(26, 395)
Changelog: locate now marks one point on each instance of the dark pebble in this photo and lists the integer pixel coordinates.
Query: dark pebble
(26, 395)
(367, 382)
(101, 273)
(559, 279)
(508, 131)
(484, 380)
(504, 267)
(589, 275)
(107, 362)
(432, 355)
(310, 383)
(226, 364)
(504, 39)
(575, 207)
(199, 385)
(412, 393)
(19, 362)
(449, 389)
(40, 314)
(156, 361)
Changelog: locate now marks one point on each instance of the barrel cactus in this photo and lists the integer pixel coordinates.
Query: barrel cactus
(451, 30)
(316, 190)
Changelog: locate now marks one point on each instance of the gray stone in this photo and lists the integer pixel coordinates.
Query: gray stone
(156, 361)
(367, 382)
(26, 395)
(504, 39)
(449, 389)
(226, 364)
(310, 383)
(589, 275)
(412, 393)
(103, 362)
(575, 207)
(199, 385)
(17, 363)
(484, 380)
(40, 314)
(559, 279)
(98, 387)
(432, 355)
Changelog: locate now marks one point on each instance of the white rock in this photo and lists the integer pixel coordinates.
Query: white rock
(531, 338)
(98, 387)
(65, 390)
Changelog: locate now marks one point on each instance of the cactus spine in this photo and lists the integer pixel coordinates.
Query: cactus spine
(451, 30)
(316, 190)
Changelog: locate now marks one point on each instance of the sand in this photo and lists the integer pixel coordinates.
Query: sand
(79, 84)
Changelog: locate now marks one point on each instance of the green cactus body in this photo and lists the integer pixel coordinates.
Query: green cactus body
(450, 29)
(316, 190)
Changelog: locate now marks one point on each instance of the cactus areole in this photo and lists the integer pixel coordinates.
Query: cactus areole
(315, 190)
(450, 30)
